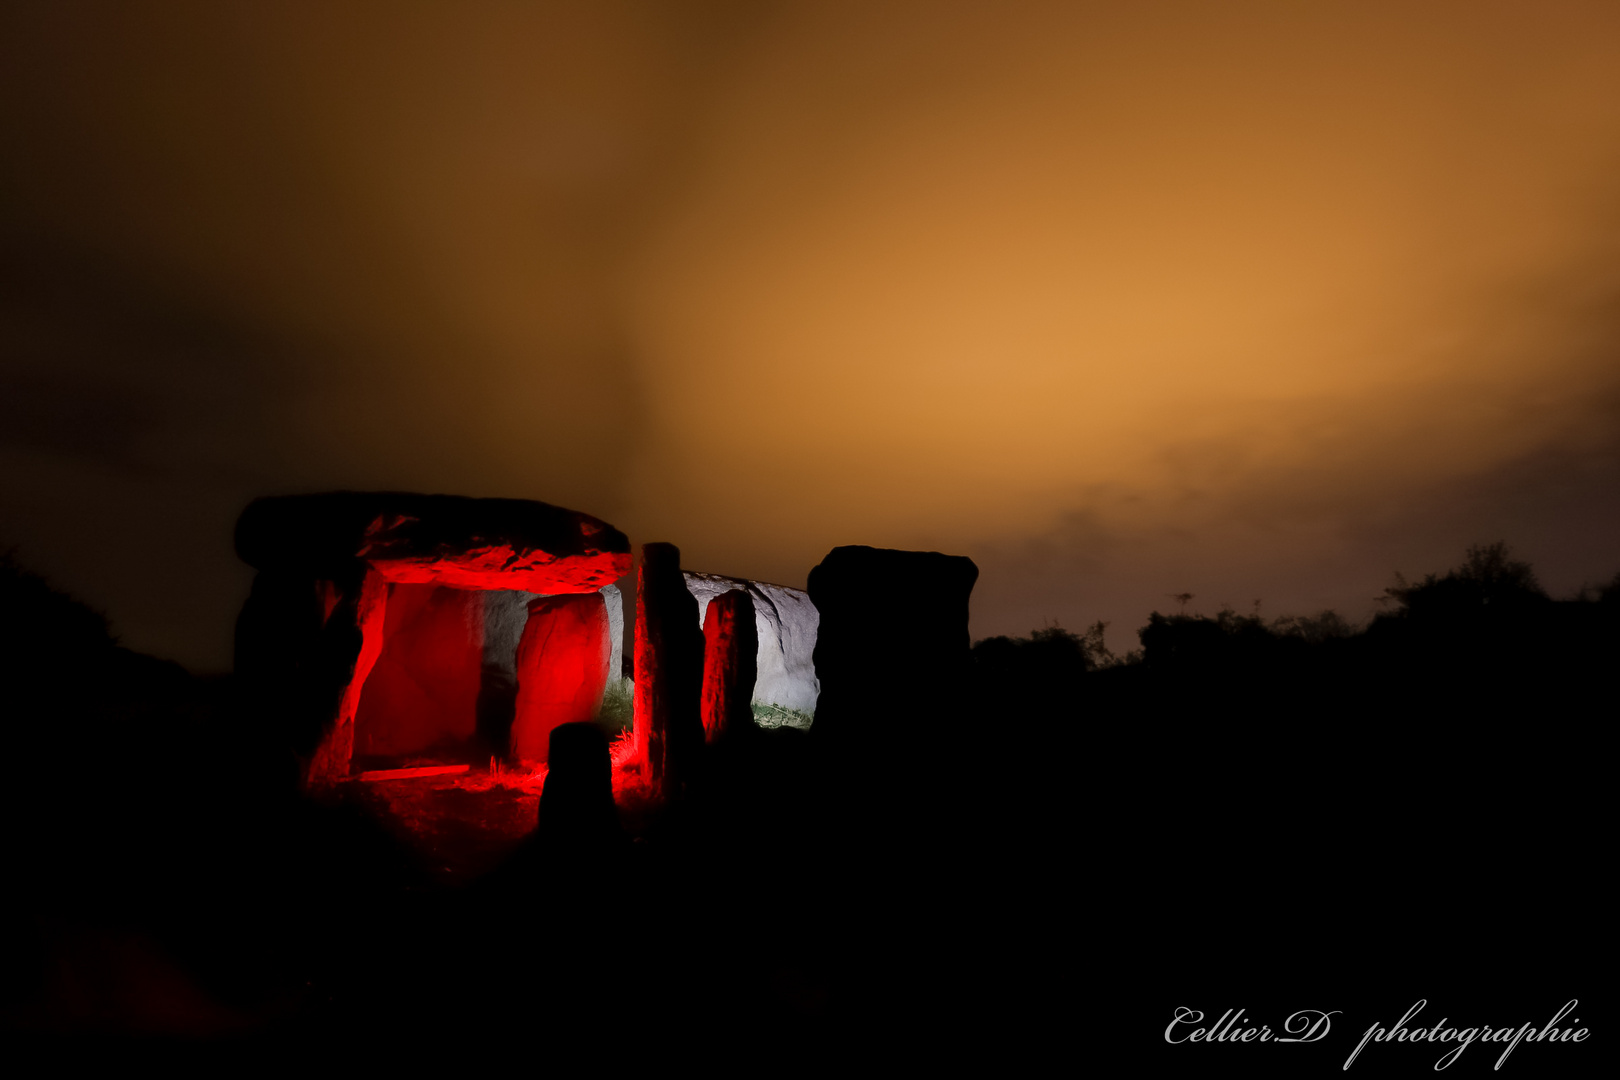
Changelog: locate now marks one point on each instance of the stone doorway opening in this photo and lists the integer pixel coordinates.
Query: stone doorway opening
(465, 675)
(386, 626)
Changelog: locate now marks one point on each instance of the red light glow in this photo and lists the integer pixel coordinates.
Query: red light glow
(422, 691)
(562, 665)
(503, 567)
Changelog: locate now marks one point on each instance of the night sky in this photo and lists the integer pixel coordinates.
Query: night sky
(1251, 301)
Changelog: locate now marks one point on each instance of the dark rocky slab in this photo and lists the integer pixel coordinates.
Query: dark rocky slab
(434, 539)
(892, 648)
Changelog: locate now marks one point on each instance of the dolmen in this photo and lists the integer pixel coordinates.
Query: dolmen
(383, 625)
(716, 658)
(385, 629)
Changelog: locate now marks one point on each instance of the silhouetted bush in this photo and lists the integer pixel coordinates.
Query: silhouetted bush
(39, 622)
(1314, 629)
(1036, 675)
(1488, 578)
(1610, 593)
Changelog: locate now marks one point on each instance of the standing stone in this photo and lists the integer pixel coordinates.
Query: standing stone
(576, 804)
(505, 614)
(669, 669)
(785, 622)
(297, 647)
(730, 665)
(422, 693)
(304, 647)
(562, 669)
(613, 601)
(892, 649)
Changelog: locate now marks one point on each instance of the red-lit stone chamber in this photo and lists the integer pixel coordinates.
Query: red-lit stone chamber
(387, 626)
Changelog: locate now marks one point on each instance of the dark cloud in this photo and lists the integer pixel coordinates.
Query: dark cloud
(99, 365)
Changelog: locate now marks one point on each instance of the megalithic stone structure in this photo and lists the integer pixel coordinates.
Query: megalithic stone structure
(888, 681)
(785, 620)
(562, 669)
(304, 647)
(669, 670)
(730, 665)
(576, 804)
(331, 569)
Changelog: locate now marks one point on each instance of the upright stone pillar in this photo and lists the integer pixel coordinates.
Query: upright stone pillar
(892, 650)
(730, 665)
(576, 804)
(669, 669)
(562, 669)
(304, 646)
(366, 609)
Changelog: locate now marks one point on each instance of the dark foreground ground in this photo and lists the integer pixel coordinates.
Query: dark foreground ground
(1245, 818)
(173, 893)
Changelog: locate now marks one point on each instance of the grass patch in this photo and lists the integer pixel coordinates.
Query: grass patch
(774, 716)
(618, 709)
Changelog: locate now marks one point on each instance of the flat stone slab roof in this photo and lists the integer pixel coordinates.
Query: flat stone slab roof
(449, 540)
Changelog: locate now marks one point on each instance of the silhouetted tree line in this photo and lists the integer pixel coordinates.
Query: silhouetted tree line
(1394, 794)
(1482, 637)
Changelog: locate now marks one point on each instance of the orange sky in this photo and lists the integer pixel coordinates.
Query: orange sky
(1256, 301)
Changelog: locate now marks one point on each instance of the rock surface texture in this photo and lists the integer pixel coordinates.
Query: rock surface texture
(730, 664)
(786, 688)
(669, 669)
(423, 690)
(562, 669)
(435, 539)
(883, 679)
(317, 621)
(506, 613)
